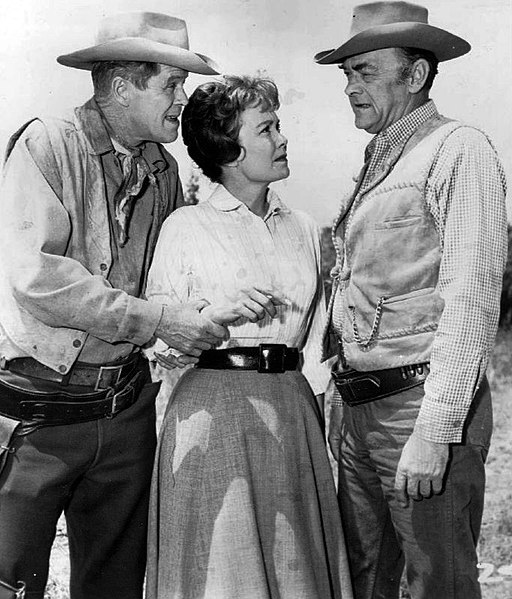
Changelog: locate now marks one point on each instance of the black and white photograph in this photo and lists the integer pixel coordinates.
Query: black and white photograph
(255, 299)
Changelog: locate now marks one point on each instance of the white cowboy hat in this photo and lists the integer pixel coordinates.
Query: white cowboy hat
(381, 25)
(143, 37)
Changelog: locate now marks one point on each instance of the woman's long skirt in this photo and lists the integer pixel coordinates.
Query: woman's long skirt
(243, 501)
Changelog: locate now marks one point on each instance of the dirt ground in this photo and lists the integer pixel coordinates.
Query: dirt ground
(495, 548)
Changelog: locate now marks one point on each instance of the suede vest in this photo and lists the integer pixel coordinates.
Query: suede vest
(79, 186)
(387, 298)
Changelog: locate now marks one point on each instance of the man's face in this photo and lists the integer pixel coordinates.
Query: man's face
(377, 95)
(154, 112)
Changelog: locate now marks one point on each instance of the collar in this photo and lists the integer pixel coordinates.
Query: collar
(92, 126)
(399, 132)
(221, 199)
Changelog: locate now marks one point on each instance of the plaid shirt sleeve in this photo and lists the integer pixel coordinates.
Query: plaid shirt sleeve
(466, 194)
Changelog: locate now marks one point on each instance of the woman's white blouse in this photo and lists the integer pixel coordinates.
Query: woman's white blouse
(217, 247)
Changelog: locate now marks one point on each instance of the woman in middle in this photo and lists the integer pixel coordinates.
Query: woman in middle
(243, 500)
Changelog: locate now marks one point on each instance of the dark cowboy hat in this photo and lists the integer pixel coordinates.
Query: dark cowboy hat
(381, 25)
(144, 37)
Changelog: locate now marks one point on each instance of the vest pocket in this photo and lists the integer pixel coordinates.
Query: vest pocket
(391, 299)
(399, 221)
(367, 320)
(413, 312)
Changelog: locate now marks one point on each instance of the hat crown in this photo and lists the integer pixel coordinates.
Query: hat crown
(375, 14)
(152, 26)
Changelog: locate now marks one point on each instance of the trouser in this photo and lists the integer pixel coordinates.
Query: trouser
(435, 538)
(99, 474)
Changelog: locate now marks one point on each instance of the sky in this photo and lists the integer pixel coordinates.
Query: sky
(279, 38)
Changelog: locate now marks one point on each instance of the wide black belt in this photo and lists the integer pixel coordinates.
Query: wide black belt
(357, 387)
(66, 407)
(97, 376)
(267, 357)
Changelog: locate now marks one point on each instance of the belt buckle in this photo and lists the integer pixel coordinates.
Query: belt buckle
(116, 397)
(272, 357)
(107, 374)
(113, 406)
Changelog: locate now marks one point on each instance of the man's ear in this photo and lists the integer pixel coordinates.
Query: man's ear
(418, 75)
(235, 163)
(121, 90)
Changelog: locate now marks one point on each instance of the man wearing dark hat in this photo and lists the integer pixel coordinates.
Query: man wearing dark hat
(82, 201)
(421, 247)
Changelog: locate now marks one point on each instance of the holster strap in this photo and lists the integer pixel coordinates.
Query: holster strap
(357, 387)
(266, 358)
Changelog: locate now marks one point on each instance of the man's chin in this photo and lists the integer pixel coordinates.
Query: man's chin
(368, 127)
(168, 138)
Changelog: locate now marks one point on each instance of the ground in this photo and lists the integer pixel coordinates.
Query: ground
(495, 548)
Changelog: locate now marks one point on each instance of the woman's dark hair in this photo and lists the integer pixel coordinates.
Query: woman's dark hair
(409, 56)
(104, 72)
(211, 119)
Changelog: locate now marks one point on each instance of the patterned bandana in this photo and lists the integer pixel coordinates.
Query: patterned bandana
(135, 170)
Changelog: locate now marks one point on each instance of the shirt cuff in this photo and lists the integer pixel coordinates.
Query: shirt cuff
(140, 321)
(439, 422)
(156, 346)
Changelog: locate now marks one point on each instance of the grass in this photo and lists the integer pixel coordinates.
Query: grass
(495, 548)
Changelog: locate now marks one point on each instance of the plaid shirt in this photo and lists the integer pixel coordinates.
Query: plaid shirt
(465, 194)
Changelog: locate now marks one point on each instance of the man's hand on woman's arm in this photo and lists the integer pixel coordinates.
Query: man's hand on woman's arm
(185, 329)
(193, 327)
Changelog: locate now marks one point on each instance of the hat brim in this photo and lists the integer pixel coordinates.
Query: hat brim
(441, 43)
(140, 50)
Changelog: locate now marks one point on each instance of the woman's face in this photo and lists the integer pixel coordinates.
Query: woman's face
(263, 158)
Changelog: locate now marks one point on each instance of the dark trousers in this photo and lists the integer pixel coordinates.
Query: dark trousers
(435, 538)
(99, 474)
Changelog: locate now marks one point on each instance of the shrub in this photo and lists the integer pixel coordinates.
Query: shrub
(328, 259)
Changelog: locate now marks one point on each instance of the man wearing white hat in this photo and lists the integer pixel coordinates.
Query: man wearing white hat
(82, 201)
(421, 247)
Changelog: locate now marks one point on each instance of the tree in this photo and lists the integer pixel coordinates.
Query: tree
(328, 258)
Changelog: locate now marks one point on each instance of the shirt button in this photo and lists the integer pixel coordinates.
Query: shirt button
(103, 266)
(62, 368)
(77, 343)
